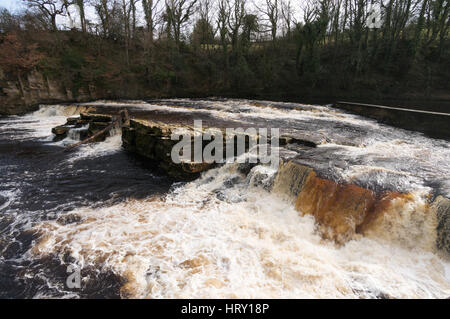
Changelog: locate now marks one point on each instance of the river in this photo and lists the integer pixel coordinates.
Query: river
(136, 233)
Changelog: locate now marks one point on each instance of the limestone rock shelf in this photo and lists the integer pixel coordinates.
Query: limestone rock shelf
(21, 96)
(152, 140)
(342, 209)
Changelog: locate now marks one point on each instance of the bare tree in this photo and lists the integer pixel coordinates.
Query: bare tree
(204, 31)
(236, 20)
(103, 10)
(271, 14)
(335, 19)
(150, 12)
(18, 57)
(223, 17)
(177, 14)
(8, 21)
(438, 23)
(287, 15)
(81, 10)
(133, 17)
(205, 8)
(128, 15)
(50, 8)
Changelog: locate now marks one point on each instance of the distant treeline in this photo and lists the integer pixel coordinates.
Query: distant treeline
(279, 49)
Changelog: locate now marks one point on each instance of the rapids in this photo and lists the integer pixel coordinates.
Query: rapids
(136, 233)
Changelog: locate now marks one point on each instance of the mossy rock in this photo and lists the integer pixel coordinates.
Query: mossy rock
(61, 130)
(153, 141)
(129, 138)
(96, 127)
(153, 128)
(145, 145)
(76, 122)
(72, 120)
(193, 167)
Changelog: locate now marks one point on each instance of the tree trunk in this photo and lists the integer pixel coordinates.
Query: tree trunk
(22, 87)
(419, 28)
(80, 4)
(53, 19)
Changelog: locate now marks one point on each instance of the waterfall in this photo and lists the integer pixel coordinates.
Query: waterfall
(359, 213)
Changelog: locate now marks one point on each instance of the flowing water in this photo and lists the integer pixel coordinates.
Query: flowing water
(134, 232)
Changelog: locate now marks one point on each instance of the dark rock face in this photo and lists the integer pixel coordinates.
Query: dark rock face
(152, 140)
(60, 132)
(69, 219)
(17, 98)
(302, 139)
(442, 209)
(96, 127)
(290, 179)
(245, 168)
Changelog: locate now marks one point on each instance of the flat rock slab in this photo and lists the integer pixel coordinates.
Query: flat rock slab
(339, 145)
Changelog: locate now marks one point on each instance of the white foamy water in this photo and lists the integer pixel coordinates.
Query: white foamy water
(210, 240)
(7, 197)
(413, 161)
(111, 145)
(220, 236)
(38, 125)
(244, 111)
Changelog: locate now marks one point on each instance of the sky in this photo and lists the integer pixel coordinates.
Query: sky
(11, 4)
(17, 5)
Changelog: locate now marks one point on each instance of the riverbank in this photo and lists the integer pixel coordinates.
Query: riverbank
(87, 67)
(433, 124)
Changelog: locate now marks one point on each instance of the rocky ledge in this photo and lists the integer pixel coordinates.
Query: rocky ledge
(152, 140)
(86, 125)
(341, 209)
